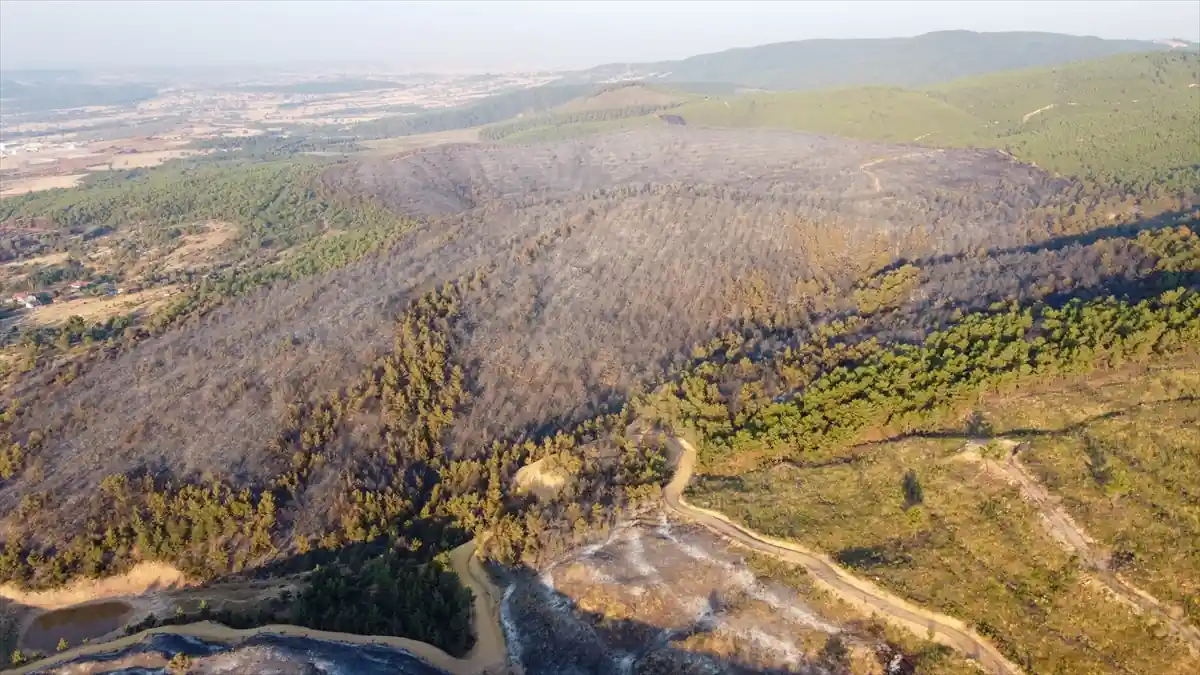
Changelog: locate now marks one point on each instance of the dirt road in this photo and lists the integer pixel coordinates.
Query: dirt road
(1075, 540)
(865, 595)
(876, 184)
(489, 655)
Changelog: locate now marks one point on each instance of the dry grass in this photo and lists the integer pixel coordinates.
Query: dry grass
(624, 97)
(38, 183)
(1124, 456)
(387, 146)
(974, 548)
(197, 248)
(146, 159)
(543, 480)
(101, 307)
(48, 259)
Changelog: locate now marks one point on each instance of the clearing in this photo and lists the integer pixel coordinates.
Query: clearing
(389, 146)
(976, 548)
(1073, 538)
(543, 478)
(627, 96)
(99, 308)
(196, 249)
(46, 260)
(12, 188)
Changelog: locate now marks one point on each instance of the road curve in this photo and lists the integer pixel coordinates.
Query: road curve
(863, 594)
(489, 655)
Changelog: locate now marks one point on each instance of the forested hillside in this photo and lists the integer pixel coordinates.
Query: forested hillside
(358, 355)
(489, 110)
(906, 62)
(1127, 119)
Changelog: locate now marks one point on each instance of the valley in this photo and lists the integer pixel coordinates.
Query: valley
(762, 363)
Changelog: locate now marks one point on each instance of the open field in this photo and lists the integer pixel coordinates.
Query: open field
(21, 186)
(1128, 118)
(199, 249)
(1123, 456)
(50, 259)
(101, 307)
(146, 159)
(389, 146)
(971, 546)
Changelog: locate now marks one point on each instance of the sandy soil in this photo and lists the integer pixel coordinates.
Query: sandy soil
(858, 592)
(36, 184)
(143, 578)
(542, 482)
(1075, 540)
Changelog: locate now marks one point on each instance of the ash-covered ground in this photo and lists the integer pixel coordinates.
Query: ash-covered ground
(656, 598)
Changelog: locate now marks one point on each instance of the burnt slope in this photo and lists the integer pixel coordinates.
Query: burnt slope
(605, 260)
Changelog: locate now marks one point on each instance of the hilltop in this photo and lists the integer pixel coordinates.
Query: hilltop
(1128, 118)
(304, 384)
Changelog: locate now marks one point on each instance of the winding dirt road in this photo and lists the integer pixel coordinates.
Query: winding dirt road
(490, 652)
(1075, 540)
(876, 184)
(862, 594)
(489, 655)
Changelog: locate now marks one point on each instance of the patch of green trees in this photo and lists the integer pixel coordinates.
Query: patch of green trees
(848, 389)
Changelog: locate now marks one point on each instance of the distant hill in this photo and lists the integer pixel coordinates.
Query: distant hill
(907, 62)
(1128, 118)
(21, 96)
(611, 107)
(624, 95)
(489, 110)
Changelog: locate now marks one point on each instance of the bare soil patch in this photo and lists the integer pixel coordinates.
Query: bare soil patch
(38, 183)
(75, 624)
(144, 578)
(542, 479)
(196, 248)
(147, 159)
(103, 307)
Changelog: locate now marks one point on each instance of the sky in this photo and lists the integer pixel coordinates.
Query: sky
(513, 35)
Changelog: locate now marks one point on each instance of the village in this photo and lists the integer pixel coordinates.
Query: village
(57, 148)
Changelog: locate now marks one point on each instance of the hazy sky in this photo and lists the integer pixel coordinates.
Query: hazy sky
(507, 35)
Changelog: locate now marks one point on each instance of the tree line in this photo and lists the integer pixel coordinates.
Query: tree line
(846, 388)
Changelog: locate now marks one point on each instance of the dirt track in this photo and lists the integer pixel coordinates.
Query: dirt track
(865, 595)
(1075, 540)
(488, 655)
(490, 651)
